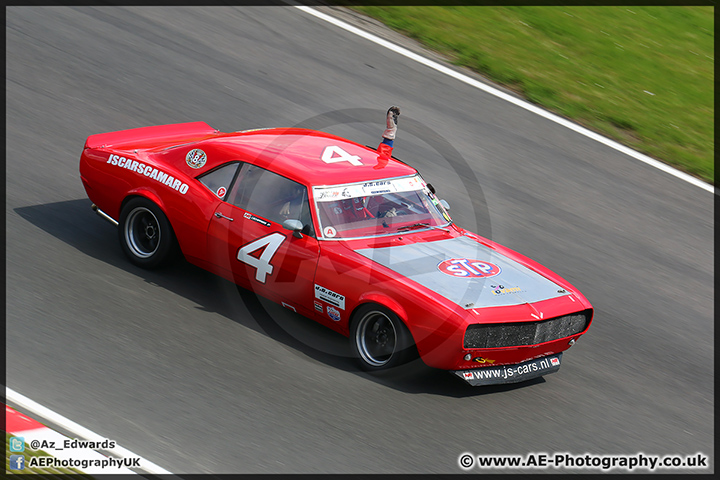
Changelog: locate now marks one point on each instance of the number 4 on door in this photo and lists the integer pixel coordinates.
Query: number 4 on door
(262, 264)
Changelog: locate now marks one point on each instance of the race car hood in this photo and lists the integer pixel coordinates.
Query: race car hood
(466, 272)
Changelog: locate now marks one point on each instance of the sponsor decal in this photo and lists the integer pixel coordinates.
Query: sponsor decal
(334, 314)
(377, 188)
(329, 232)
(502, 290)
(483, 360)
(148, 171)
(259, 220)
(333, 298)
(407, 184)
(468, 268)
(221, 192)
(328, 195)
(318, 306)
(435, 201)
(337, 193)
(380, 183)
(341, 192)
(196, 158)
(505, 372)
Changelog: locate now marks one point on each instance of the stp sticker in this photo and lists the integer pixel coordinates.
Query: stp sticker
(554, 362)
(334, 314)
(468, 375)
(329, 232)
(221, 192)
(468, 268)
(195, 158)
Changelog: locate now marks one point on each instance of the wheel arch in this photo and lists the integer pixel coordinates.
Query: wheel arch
(146, 194)
(385, 301)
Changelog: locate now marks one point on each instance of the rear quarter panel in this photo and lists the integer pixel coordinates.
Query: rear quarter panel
(112, 176)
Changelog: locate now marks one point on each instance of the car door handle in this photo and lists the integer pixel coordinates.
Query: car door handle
(220, 215)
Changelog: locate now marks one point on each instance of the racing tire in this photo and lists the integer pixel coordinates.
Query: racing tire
(379, 339)
(146, 236)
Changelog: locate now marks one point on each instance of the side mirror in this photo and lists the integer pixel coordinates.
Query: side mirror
(295, 225)
(445, 204)
(431, 188)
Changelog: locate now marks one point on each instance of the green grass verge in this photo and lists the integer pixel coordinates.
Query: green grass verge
(47, 472)
(640, 75)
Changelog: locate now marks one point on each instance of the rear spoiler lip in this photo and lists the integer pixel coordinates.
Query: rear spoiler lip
(160, 133)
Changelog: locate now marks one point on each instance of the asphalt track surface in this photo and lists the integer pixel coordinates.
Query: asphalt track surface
(181, 368)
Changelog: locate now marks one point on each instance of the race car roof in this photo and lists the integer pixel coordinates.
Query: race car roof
(307, 156)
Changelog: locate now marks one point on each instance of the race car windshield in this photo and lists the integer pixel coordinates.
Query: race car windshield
(378, 208)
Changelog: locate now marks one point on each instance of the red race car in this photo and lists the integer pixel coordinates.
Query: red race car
(341, 233)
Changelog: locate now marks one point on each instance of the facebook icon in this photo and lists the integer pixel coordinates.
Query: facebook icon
(17, 462)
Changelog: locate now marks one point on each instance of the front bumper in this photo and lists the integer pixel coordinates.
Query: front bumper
(511, 373)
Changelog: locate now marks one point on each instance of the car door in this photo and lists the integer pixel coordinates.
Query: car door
(247, 241)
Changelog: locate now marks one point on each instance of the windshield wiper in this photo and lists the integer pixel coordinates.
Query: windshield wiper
(421, 225)
(415, 225)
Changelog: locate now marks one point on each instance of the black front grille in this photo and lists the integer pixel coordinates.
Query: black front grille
(525, 333)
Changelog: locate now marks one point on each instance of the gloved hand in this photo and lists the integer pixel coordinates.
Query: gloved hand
(392, 120)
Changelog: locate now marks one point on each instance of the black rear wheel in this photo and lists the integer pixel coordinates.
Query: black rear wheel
(145, 233)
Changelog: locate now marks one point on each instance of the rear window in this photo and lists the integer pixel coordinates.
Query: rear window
(220, 179)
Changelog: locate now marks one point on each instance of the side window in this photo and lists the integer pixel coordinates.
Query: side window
(271, 196)
(219, 180)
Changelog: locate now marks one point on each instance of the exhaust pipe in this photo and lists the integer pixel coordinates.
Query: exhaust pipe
(104, 215)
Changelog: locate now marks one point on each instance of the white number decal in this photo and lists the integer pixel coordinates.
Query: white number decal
(334, 154)
(270, 243)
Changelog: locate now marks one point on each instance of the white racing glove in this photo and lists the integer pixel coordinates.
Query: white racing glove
(392, 119)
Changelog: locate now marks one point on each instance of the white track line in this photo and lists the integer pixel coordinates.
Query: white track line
(76, 429)
(509, 98)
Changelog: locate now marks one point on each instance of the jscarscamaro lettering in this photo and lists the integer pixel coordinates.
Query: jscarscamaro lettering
(148, 171)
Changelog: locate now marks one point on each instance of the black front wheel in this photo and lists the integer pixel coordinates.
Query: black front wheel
(379, 339)
(145, 233)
